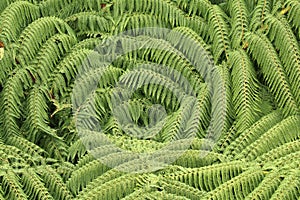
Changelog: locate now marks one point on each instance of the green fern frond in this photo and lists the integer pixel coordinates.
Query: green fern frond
(166, 10)
(240, 21)
(289, 50)
(33, 185)
(179, 188)
(135, 144)
(290, 161)
(276, 78)
(26, 146)
(209, 177)
(54, 183)
(222, 108)
(11, 186)
(253, 133)
(67, 69)
(289, 187)
(186, 40)
(89, 43)
(285, 131)
(238, 187)
(267, 187)
(219, 33)
(50, 54)
(53, 7)
(37, 33)
(246, 98)
(162, 195)
(194, 7)
(11, 106)
(15, 158)
(36, 124)
(293, 13)
(226, 139)
(281, 151)
(137, 21)
(15, 17)
(262, 8)
(89, 21)
(85, 174)
(114, 188)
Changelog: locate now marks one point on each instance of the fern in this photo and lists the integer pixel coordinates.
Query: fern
(149, 99)
(272, 138)
(288, 189)
(288, 50)
(245, 93)
(16, 16)
(240, 21)
(219, 32)
(273, 72)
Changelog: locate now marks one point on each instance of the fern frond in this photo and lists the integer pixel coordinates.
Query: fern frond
(54, 183)
(36, 123)
(290, 161)
(89, 21)
(293, 13)
(194, 7)
(137, 21)
(89, 43)
(85, 174)
(240, 21)
(6, 65)
(289, 187)
(15, 17)
(53, 7)
(86, 82)
(113, 189)
(226, 139)
(285, 131)
(50, 54)
(67, 69)
(37, 33)
(16, 158)
(219, 32)
(179, 188)
(265, 54)
(26, 146)
(281, 151)
(166, 10)
(262, 8)
(11, 106)
(209, 177)
(193, 47)
(267, 187)
(253, 133)
(238, 187)
(33, 185)
(222, 112)
(135, 144)
(163, 195)
(11, 186)
(245, 90)
(289, 50)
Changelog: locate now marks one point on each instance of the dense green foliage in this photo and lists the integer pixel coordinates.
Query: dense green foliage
(254, 45)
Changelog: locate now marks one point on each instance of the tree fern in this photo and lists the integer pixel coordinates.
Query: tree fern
(149, 99)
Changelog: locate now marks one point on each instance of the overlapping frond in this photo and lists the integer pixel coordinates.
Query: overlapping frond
(149, 99)
(275, 76)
